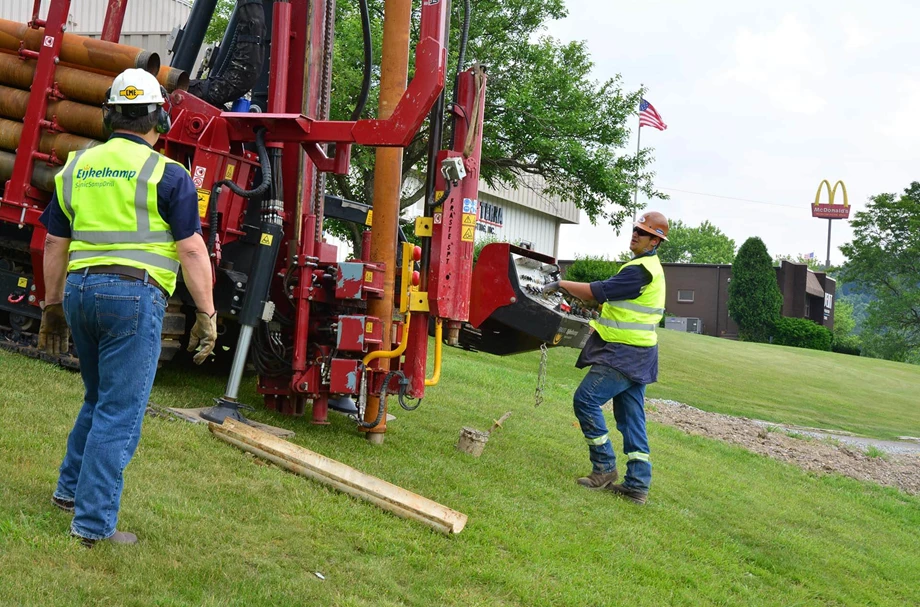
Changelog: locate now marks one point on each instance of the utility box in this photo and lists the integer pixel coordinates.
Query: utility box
(680, 323)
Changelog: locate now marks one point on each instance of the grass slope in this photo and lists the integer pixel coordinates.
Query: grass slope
(219, 527)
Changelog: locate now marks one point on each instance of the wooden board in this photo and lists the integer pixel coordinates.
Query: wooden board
(307, 463)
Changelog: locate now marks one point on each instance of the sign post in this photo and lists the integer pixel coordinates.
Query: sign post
(830, 211)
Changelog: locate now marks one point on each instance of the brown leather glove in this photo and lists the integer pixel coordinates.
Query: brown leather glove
(54, 334)
(203, 336)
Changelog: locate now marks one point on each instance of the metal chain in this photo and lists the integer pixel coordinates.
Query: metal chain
(541, 376)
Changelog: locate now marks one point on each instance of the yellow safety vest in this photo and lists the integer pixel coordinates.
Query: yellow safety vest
(109, 194)
(633, 321)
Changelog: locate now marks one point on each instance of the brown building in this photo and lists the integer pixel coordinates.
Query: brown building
(701, 291)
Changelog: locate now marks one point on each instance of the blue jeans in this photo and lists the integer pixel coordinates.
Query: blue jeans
(601, 384)
(115, 324)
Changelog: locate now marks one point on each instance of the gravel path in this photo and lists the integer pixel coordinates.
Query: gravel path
(892, 463)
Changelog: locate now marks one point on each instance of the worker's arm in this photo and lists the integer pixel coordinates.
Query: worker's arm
(55, 268)
(196, 272)
(581, 290)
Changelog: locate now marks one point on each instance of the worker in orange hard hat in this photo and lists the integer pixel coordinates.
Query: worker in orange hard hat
(623, 355)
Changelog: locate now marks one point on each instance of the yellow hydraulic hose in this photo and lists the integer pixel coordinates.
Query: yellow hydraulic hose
(400, 349)
(438, 335)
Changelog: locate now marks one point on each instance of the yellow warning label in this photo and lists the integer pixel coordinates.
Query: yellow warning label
(23, 282)
(370, 218)
(229, 173)
(469, 219)
(439, 208)
(467, 235)
(203, 197)
(368, 276)
(266, 240)
(369, 327)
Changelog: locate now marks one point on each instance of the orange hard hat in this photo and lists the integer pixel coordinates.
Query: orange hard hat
(653, 223)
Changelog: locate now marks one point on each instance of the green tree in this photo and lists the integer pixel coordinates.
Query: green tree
(703, 244)
(754, 300)
(812, 262)
(219, 21)
(882, 262)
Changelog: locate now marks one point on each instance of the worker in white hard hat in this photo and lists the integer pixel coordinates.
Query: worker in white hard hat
(623, 355)
(121, 222)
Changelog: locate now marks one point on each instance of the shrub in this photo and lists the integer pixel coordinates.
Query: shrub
(801, 333)
(847, 344)
(591, 269)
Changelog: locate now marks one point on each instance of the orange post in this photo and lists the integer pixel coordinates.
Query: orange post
(394, 70)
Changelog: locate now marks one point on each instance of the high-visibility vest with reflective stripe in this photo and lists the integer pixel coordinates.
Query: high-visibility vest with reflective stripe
(633, 321)
(109, 194)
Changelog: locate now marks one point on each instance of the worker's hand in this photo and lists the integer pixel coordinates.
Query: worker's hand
(203, 336)
(553, 287)
(54, 334)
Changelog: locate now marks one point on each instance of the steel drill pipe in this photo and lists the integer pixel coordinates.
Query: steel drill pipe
(42, 175)
(72, 117)
(173, 78)
(76, 85)
(80, 50)
(61, 143)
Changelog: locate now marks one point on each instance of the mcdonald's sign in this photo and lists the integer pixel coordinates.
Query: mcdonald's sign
(831, 210)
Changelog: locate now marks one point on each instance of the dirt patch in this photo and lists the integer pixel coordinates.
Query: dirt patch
(805, 448)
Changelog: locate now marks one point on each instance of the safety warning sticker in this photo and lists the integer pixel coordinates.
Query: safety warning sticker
(469, 205)
(23, 282)
(467, 234)
(438, 217)
(370, 218)
(203, 197)
(266, 240)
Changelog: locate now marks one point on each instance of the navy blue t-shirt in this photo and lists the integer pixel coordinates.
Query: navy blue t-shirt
(177, 202)
(637, 363)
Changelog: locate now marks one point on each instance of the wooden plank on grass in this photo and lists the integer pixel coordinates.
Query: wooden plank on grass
(318, 467)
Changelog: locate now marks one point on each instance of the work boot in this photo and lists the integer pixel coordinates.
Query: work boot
(65, 505)
(119, 537)
(598, 480)
(633, 495)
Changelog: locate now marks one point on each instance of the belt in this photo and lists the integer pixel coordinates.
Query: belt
(126, 272)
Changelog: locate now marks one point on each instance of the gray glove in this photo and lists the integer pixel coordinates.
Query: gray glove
(553, 287)
(203, 336)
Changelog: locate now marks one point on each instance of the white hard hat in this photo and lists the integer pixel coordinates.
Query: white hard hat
(135, 87)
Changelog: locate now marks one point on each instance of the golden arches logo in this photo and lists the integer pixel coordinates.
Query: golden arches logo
(831, 210)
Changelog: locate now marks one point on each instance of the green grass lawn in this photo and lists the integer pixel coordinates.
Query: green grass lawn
(722, 526)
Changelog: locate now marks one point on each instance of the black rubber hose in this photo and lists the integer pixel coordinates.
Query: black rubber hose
(258, 191)
(368, 61)
(461, 59)
(380, 407)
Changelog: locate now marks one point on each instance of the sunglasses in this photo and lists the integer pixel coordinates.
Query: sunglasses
(640, 232)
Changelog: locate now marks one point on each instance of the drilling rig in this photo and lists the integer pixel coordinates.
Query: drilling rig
(314, 328)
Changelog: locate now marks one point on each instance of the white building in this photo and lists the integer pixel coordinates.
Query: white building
(147, 23)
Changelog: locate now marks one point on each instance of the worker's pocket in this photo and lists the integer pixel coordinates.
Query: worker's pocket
(116, 315)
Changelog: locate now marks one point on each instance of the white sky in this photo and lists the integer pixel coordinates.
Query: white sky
(762, 101)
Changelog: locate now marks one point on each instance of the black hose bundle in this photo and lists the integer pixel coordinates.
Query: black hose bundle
(237, 67)
(248, 194)
(368, 61)
(383, 395)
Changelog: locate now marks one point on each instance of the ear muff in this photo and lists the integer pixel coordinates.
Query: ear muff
(106, 108)
(164, 121)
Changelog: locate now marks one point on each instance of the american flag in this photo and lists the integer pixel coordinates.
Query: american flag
(649, 117)
(809, 256)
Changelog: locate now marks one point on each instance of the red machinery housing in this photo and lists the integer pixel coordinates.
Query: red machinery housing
(309, 331)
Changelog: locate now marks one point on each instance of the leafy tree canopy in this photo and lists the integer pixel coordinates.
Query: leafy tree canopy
(882, 262)
(813, 263)
(703, 244)
(754, 300)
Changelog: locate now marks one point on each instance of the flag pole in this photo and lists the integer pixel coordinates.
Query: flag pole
(638, 140)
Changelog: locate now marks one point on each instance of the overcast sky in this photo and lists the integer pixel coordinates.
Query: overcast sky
(762, 102)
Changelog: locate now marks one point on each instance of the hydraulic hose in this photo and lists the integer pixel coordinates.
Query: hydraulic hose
(368, 61)
(461, 59)
(383, 395)
(263, 187)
